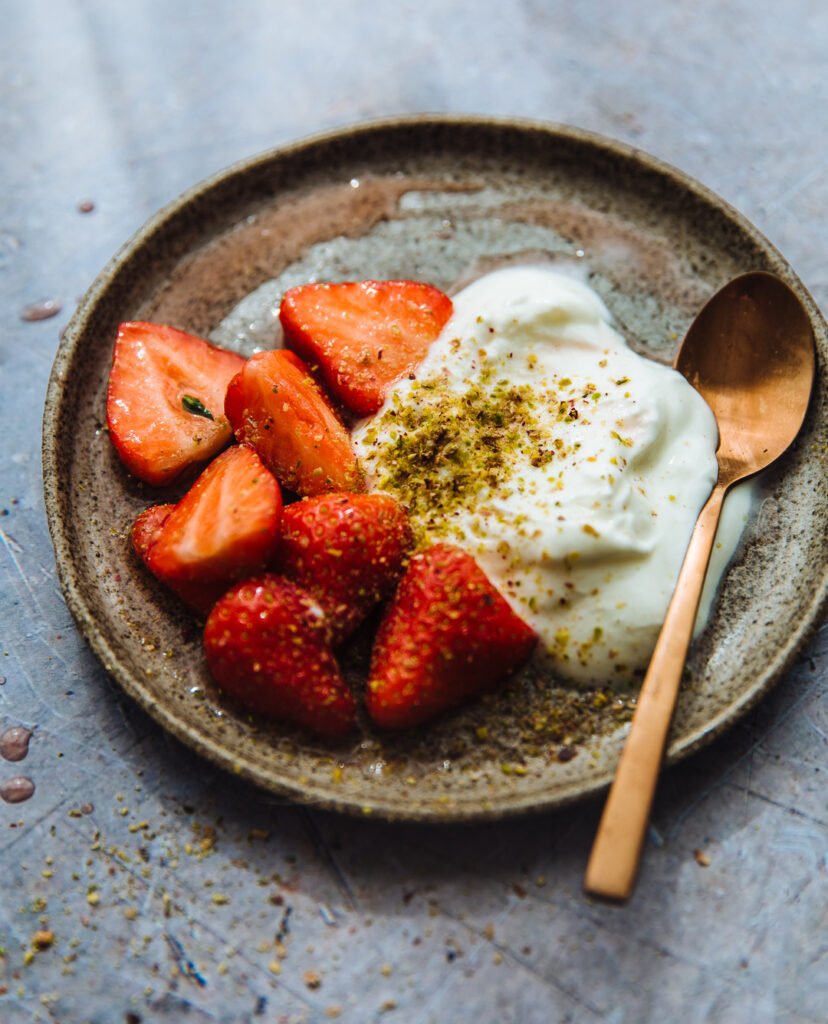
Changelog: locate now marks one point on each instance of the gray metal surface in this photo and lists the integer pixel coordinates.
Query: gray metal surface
(167, 891)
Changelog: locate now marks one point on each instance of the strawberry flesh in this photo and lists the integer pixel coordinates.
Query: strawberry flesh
(447, 635)
(165, 401)
(363, 335)
(147, 528)
(145, 531)
(347, 550)
(224, 528)
(266, 643)
(274, 404)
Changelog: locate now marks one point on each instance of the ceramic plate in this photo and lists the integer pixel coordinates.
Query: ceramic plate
(437, 200)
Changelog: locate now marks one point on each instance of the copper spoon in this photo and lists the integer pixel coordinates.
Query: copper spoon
(750, 354)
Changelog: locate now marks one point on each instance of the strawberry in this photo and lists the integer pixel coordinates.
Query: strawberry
(363, 335)
(165, 403)
(347, 550)
(448, 635)
(224, 528)
(145, 530)
(267, 646)
(147, 527)
(274, 404)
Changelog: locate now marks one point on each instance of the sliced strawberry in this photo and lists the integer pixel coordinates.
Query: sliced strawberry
(165, 403)
(448, 635)
(147, 528)
(267, 646)
(363, 335)
(347, 550)
(275, 405)
(224, 528)
(145, 531)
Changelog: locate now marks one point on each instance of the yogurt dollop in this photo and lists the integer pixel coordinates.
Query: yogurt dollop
(570, 467)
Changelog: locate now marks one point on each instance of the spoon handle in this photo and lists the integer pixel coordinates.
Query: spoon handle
(613, 863)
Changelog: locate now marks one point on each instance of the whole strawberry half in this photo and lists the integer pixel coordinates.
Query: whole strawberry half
(145, 531)
(165, 401)
(224, 528)
(447, 635)
(274, 404)
(347, 550)
(266, 643)
(363, 335)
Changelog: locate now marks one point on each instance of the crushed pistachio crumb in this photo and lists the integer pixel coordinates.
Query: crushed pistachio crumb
(449, 450)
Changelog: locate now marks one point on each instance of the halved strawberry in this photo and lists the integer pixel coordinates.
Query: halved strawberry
(447, 635)
(266, 643)
(274, 404)
(224, 528)
(145, 531)
(147, 528)
(165, 402)
(363, 335)
(347, 550)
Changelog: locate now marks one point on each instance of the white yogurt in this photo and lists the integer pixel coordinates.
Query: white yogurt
(570, 467)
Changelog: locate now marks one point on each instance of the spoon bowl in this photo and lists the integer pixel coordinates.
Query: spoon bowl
(750, 354)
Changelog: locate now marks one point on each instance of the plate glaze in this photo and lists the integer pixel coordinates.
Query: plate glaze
(437, 199)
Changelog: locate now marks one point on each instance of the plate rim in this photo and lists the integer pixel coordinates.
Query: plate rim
(204, 745)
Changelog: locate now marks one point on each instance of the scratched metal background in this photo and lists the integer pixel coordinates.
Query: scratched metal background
(176, 893)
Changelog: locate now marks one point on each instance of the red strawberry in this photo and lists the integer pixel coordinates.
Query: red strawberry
(275, 405)
(147, 527)
(267, 646)
(363, 335)
(165, 403)
(347, 550)
(145, 531)
(448, 635)
(224, 528)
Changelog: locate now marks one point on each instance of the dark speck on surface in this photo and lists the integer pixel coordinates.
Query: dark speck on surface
(86, 206)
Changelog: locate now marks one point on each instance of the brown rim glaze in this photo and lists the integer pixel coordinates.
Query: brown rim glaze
(435, 198)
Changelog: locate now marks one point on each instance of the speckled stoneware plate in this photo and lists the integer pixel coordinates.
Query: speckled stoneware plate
(435, 199)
